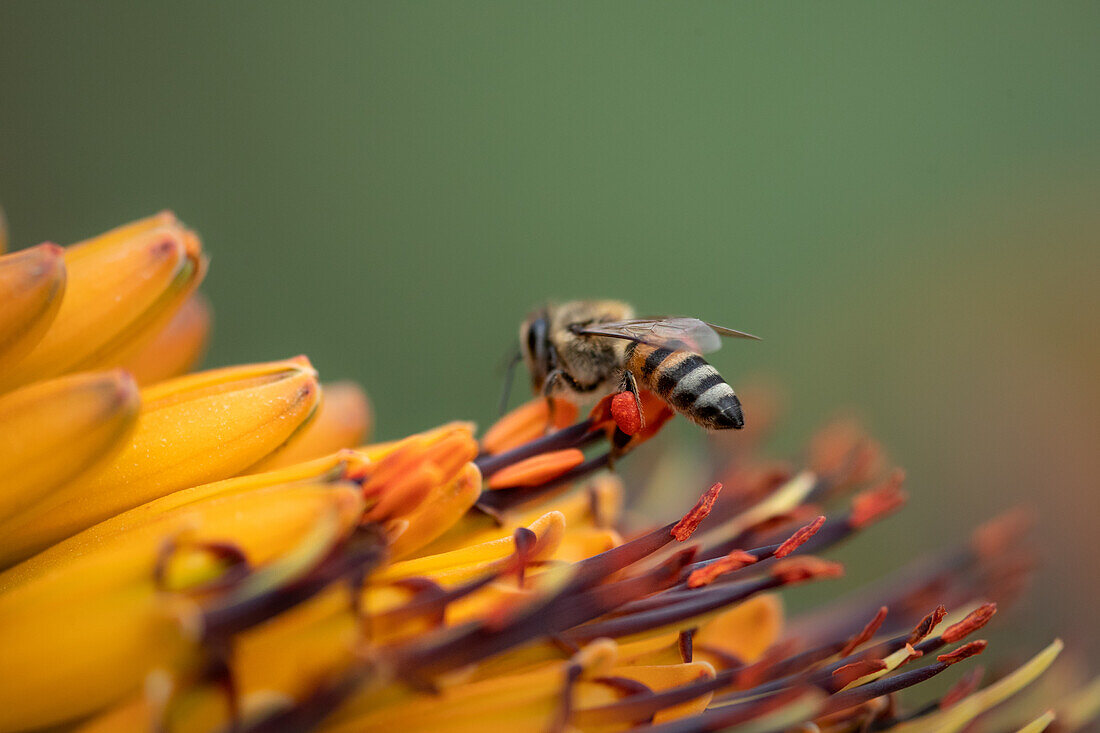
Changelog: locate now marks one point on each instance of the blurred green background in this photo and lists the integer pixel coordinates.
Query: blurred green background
(903, 200)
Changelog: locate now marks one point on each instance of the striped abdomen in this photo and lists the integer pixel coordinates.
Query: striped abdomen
(688, 384)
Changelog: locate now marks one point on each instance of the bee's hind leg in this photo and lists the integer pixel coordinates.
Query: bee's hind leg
(619, 439)
(629, 384)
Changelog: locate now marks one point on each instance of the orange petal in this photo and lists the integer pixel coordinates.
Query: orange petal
(525, 423)
(537, 470)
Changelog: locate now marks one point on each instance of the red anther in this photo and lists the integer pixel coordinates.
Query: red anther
(874, 504)
(625, 413)
(929, 622)
(798, 569)
(974, 620)
(964, 651)
(799, 538)
(866, 634)
(687, 526)
(734, 561)
(849, 673)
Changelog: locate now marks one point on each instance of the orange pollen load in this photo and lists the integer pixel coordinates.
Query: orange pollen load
(625, 413)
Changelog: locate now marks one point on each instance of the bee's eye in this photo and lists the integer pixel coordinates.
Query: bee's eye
(531, 338)
(537, 336)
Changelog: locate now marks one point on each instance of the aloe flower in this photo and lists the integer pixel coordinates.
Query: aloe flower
(220, 550)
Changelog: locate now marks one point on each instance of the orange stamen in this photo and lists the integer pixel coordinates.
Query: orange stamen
(929, 622)
(734, 561)
(799, 569)
(866, 634)
(799, 538)
(849, 673)
(452, 451)
(964, 651)
(876, 503)
(974, 620)
(537, 470)
(405, 493)
(687, 526)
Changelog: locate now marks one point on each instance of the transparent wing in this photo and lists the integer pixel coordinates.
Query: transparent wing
(688, 334)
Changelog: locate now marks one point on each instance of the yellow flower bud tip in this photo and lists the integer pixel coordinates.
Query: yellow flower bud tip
(56, 430)
(32, 283)
(193, 430)
(342, 419)
(147, 276)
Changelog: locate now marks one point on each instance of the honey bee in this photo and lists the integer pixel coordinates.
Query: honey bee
(586, 349)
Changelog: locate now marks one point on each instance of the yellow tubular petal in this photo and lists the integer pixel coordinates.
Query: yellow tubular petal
(54, 430)
(320, 636)
(115, 293)
(343, 421)
(458, 565)
(157, 317)
(67, 631)
(582, 543)
(105, 612)
(101, 623)
(177, 348)
(3, 232)
(595, 503)
(183, 437)
(261, 522)
(134, 715)
(32, 283)
(663, 677)
(328, 470)
(445, 505)
(521, 701)
(745, 631)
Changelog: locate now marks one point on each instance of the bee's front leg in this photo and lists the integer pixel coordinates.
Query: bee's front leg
(548, 395)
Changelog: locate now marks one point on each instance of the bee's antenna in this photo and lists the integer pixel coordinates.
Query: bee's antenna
(510, 371)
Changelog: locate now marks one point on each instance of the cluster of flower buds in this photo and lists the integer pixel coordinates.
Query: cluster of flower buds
(222, 550)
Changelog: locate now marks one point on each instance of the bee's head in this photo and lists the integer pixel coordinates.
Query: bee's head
(534, 342)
